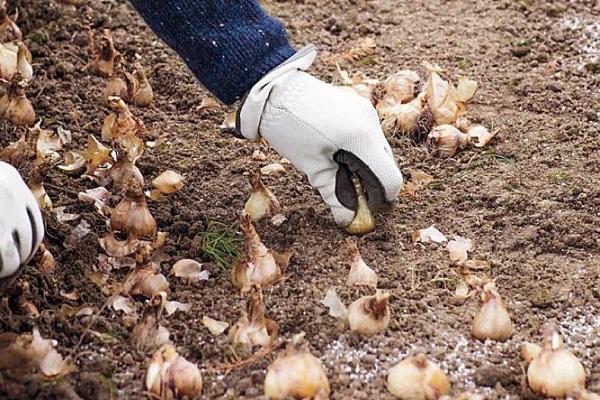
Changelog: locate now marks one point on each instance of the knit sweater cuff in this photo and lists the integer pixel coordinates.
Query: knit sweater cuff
(228, 45)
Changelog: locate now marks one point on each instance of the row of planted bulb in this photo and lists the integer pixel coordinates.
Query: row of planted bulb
(553, 370)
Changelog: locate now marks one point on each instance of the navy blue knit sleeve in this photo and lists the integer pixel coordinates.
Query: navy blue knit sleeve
(228, 44)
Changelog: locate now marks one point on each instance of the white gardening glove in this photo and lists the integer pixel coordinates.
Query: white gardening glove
(326, 132)
(21, 225)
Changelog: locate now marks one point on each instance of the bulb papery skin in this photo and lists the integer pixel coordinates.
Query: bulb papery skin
(555, 371)
(363, 221)
(492, 321)
(168, 182)
(296, 374)
(360, 273)
(529, 351)
(369, 315)
(262, 202)
(417, 378)
(443, 100)
(254, 329)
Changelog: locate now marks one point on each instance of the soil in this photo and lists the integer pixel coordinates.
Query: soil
(529, 200)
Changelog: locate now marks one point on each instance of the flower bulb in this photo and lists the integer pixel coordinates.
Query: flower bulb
(417, 378)
(370, 315)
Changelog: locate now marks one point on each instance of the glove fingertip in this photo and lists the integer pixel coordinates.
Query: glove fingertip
(342, 216)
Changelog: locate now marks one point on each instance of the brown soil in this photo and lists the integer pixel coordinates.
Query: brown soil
(529, 201)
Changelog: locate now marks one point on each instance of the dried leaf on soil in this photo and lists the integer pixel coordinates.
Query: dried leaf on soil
(78, 233)
(99, 197)
(72, 161)
(481, 133)
(418, 180)
(62, 216)
(48, 144)
(477, 265)
(168, 182)
(462, 290)
(214, 326)
(33, 353)
(272, 169)
(173, 306)
(458, 249)
(429, 235)
(189, 270)
(361, 49)
(120, 303)
(72, 295)
(96, 154)
(118, 248)
(336, 307)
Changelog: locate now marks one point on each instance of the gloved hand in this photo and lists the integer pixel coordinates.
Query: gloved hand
(324, 131)
(21, 225)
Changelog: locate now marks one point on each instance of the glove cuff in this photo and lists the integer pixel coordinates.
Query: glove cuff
(253, 103)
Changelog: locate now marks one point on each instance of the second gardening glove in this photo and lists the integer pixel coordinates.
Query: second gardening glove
(326, 132)
(21, 225)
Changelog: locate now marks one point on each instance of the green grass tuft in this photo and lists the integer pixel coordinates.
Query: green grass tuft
(221, 243)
